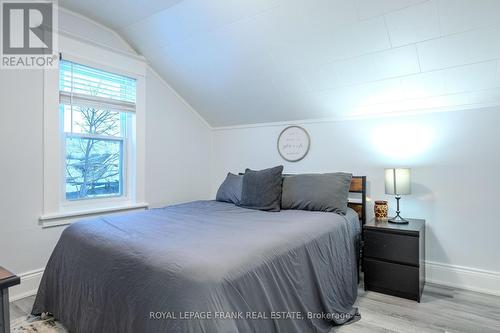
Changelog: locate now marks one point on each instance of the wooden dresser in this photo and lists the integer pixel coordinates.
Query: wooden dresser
(394, 258)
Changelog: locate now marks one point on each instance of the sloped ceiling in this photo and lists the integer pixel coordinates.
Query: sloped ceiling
(251, 61)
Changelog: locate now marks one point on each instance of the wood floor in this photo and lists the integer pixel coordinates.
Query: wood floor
(21, 308)
(442, 310)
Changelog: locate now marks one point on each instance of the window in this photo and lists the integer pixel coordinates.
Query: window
(97, 110)
(94, 126)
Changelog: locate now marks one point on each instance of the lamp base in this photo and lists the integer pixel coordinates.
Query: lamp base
(398, 220)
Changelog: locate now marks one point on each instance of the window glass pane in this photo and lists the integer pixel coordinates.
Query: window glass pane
(90, 81)
(93, 168)
(89, 120)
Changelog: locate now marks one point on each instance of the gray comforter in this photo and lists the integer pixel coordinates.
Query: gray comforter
(204, 266)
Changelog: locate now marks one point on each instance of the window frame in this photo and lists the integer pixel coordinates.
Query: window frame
(127, 194)
(126, 123)
(57, 210)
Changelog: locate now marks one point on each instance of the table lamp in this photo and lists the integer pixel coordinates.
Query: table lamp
(398, 183)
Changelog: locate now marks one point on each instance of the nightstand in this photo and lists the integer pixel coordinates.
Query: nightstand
(394, 258)
(7, 279)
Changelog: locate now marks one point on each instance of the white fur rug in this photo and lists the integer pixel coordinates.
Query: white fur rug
(37, 324)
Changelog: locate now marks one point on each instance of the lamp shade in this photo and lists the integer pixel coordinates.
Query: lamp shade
(397, 181)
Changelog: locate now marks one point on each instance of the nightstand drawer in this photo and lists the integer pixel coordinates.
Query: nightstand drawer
(393, 247)
(394, 279)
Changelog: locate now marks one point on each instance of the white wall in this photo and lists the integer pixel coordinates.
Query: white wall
(24, 246)
(454, 158)
(177, 162)
(178, 147)
(74, 24)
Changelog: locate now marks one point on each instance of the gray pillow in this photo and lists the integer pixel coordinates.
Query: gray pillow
(328, 192)
(262, 189)
(230, 189)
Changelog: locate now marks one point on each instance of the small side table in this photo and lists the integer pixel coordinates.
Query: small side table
(7, 279)
(394, 258)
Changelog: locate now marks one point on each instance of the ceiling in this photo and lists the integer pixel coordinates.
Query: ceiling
(251, 61)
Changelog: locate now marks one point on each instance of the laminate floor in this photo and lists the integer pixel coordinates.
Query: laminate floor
(442, 309)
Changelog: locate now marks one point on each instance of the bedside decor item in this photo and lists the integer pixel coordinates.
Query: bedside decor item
(398, 182)
(381, 209)
(293, 143)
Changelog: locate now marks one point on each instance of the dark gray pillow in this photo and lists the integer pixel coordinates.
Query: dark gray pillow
(262, 189)
(230, 189)
(328, 192)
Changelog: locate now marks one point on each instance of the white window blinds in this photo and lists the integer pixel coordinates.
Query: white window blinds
(86, 86)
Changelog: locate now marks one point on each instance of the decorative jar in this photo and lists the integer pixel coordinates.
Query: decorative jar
(381, 209)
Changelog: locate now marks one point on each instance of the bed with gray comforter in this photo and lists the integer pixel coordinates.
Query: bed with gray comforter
(204, 266)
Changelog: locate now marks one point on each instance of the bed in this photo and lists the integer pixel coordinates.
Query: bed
(205, 266)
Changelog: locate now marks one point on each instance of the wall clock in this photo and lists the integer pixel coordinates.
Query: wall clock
(293, 143)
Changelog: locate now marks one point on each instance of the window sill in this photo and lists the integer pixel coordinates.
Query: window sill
(65, 218)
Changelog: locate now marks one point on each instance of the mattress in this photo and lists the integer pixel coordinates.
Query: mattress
(204, 266)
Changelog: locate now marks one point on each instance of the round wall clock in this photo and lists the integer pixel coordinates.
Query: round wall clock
(293, 143)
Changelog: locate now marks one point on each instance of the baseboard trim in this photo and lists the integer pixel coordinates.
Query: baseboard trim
(29, 285)
(461, 277)
(483, 281)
